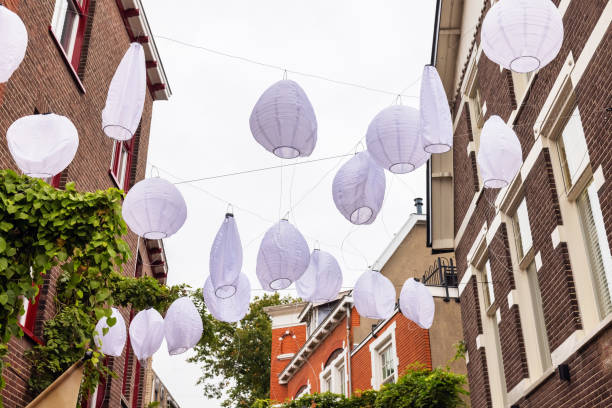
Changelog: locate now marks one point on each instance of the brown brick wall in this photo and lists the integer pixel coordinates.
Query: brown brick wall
(463, 168)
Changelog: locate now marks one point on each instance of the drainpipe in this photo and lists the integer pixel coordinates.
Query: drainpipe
(348, 347)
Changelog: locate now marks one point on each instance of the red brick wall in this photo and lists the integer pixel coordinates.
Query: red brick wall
(288, 344)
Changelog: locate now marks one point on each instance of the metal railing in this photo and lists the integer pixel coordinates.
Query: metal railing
(442, 273)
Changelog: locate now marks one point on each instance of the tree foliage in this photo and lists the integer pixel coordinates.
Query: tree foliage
(235, 358)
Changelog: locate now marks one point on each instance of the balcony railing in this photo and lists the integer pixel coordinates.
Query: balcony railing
(442, 273)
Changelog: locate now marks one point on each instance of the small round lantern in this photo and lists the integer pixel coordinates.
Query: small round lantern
(233, 308)
(283, 257)
(417, 303)
(522, 35)
(154, 208)
(358, 189)
(374, 295)
(126, 95)
(435, 121)
(500, 156)
(13, 43)
(226, 258)
(42, 145)
(283, 121)
(322, 280)
(146, 333)
(182, 326)
(113, 342)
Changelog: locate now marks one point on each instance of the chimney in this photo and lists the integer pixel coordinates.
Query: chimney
(418, 203)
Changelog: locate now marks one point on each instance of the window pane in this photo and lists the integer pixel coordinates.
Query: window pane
(536, 304)
(572, 148)
(490, 293)
(522, 216)
(387, 363)
(342, 380)
(64, 24)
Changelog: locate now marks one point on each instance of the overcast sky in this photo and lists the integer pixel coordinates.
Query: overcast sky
(204, 129)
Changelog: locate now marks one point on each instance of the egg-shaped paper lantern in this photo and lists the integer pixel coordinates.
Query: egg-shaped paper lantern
(394, 140)
(358, 189)
(154, 208)
(374, 295)
(126, 95)
(522, 35)
(322, 280)
(283, 257)
(226, 258)
(42, 145)
(13, 43)
(146, 333)
(283, 121)
(233, 308)
(500, 156)
(182, 326)
(435, 120)
(113, 342)
(417, 303)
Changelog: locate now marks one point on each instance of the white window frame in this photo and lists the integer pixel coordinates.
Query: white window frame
(59, 20)
(305, 391)
(571, 177)
(523, 236)
(332, 373)
(489, 280)
(385, 339)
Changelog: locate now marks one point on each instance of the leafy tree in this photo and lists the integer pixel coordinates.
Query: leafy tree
(235, 358)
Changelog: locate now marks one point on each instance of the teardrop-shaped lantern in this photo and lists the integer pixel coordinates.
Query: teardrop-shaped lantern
(226, 258)
(13, 43)
(522, 35)
(283, 257)
(374, 295)
(146, 333)
(154, 208)
(394, 140)
(182, 326)
(283, 121)
(233, 308)
(359, 189)
(113, 342)
(500, 156)
(322, 280)
(126, 95)
(42, 145)
(417, 303)
(435, 121)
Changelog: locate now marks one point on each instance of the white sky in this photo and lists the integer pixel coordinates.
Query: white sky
(204, 129)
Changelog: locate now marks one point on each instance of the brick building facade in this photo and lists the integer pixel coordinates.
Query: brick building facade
(330, 347)
(533, 258)
(73, 50)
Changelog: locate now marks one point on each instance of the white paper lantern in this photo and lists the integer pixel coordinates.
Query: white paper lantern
(154, 208)
(146, 333)
(233, 308)
(283, 121)
(226, 258)
(435, 121)
(522, 35)
(113, 342)
(322, 280)
(182, 326)
(417, 303)
(358, 189)
(394, 140)
(500, 156)
(283, 257)
(126, 95)
(42, 145)
(374, 295)
(13, 43)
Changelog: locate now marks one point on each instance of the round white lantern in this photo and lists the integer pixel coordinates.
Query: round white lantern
(358, 189)
(394, 140)
(111, 343)
(182, 326)
(126, 95)
(283, 257)
(233, 308)
(374, 295)
(417, 303)
(322, 280)
(42, 145)
(522, 35)
(226, 258)
(13, 43)
(154, 208)
(283, 121)
(146, 333)
(435, 121)
(500, 156)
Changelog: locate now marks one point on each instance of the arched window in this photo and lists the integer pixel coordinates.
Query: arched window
(333, 356)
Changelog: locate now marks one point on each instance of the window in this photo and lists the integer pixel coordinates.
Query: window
(68, 26)
(342, 379)
(597, 247)
(327, 383)
(572, 148)
(387, 365)
(522, 230)
(121, 162)
(333, 377)
(28, 319)
(477, 105)
(304, 390)
(538, 314)
(384, 360)
(489, 293)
